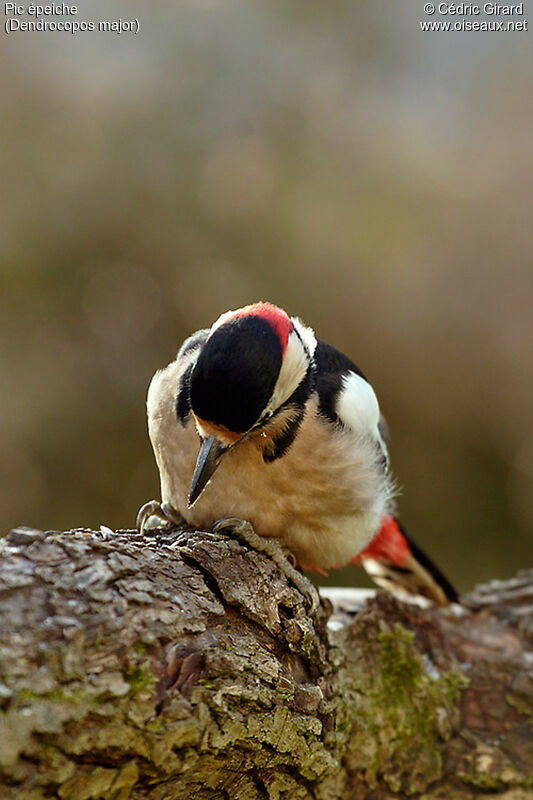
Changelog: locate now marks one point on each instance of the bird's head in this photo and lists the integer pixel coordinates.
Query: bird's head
(251, 363)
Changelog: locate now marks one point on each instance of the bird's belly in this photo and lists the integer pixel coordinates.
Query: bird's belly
(324, 499)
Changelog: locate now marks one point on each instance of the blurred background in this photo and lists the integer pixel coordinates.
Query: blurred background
(332, 158)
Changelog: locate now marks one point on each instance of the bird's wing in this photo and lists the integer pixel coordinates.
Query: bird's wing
(393, 560)
(194, 341)
(186, 358)
(346, 397)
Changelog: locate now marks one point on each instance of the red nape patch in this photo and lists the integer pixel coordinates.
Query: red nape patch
(389, 544)
(276, 317)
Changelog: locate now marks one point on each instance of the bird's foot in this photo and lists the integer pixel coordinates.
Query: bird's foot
(153, 513)
(279, 555)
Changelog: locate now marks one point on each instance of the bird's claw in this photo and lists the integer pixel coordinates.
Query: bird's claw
(272, 548)
(153, 513)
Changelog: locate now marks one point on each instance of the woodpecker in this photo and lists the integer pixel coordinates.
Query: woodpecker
(258, 419)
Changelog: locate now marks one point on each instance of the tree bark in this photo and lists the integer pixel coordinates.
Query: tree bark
(183, 664)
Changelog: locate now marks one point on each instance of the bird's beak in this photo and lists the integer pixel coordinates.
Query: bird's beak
(210, 456)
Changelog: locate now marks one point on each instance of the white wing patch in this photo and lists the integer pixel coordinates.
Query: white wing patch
(357, 406)
(358, 409)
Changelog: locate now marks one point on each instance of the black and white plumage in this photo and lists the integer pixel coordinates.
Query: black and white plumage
(258, 419)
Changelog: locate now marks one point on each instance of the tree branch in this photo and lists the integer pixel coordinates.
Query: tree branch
(181, 664)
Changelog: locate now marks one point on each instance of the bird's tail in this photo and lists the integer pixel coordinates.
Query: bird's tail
(395, 562)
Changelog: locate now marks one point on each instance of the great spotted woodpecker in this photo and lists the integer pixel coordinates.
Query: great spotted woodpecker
(258, 419)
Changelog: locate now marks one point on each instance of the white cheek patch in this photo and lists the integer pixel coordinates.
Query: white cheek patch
(307, 334)
(292, 372)
(357, 406)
